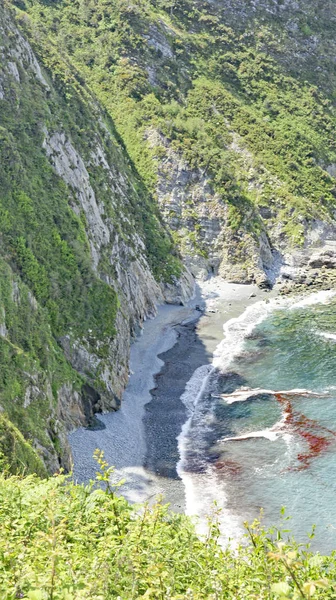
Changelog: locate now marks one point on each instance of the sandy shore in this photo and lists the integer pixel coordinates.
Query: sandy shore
(140, 439)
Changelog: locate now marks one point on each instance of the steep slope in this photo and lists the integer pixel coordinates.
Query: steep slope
(84, 257)
(226, 109)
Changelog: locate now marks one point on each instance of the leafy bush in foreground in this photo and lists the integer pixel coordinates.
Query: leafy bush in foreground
(61, 541)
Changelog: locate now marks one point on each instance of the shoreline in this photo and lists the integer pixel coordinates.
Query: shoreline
(166, 414)
(140, 439)
(122, 436)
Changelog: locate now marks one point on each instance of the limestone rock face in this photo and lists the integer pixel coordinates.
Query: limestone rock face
(137, 289)
(158, 41)
(199, 217)
(181, 290)
(100, 188)
(313, 266)
(69, 165)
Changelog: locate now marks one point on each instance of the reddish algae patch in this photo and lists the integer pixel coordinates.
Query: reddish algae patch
(317, 437)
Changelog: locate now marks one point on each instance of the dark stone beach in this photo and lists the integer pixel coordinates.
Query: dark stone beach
(140, 438)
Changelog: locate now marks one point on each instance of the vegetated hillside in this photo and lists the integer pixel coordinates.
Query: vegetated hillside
(221, 114)
(65, 542)
(226, 109)
(84, 257)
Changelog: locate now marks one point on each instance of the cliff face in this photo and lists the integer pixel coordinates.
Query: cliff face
(135, 132)
(225, 108)
(82, 263)
(246, 171)
(200, 220)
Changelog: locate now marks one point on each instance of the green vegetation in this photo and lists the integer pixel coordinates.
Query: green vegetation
(221, 91)
(285, 146)
(63, 541)
(16, 455)
(32, 371)
(49, 289)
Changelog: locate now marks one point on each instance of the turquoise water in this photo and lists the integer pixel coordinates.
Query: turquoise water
(290, 457)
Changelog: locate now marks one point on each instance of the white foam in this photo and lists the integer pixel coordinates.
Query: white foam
(204, 489)
(327, 336)
(322, 297)
(243, 394)
(195, 387)
(269, 434)
(236, 330)
(280, 429)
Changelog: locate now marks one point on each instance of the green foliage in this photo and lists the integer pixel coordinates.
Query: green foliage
(31, 270)
(48, 287)
(286, 147)
(220, 94)
(45, 238)
(62, 541)
(77, 103)
(31, 362)
(16, 454)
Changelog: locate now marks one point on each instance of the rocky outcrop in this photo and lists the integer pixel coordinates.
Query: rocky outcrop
(311, 266)
(199, 218)
(19, 55)
(70, 167)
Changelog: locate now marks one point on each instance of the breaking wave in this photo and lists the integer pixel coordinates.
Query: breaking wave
(243, 394)
(327, 336)
(203, 484)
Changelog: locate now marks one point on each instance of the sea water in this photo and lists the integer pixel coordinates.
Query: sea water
(261, 432)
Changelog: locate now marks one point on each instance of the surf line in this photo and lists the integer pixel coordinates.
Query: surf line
(202, 489)
(245, 393)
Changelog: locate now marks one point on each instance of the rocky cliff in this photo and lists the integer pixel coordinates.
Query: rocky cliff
(225, 108)
(84, 256)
